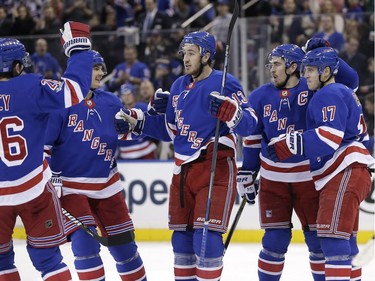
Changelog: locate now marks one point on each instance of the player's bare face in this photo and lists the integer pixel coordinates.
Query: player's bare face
(277, 70)
(192, 59)
(312, 77)
(97, 75)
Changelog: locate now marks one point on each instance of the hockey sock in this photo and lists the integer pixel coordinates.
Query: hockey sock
(356, 273)
(87, 262)
(212, 265)
(49, 262)
(8, 271)
(271, 259)
(270, 265)
(128, 262)
(338, 262)
(184, 256)
(317, 259)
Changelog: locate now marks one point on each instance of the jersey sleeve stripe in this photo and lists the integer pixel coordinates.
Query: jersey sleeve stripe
(330, 136)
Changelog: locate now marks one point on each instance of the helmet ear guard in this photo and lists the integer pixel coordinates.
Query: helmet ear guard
(11, 51)
(204, 40)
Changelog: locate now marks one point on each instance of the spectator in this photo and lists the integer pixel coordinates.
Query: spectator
(154, 50)
(163, 77)
(49, 22)
(151, 19)
(367, 80)
(143, 148)
(78, 10)
(329, 33)
(353, 57)
(5, 22)
(23, 23)
(288, 27)
(44, 63)
(219, 29)
(329, 8)
(130, 71)
(205, 18)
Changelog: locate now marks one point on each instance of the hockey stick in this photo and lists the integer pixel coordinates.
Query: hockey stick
(216, 140)
(234, 224)
(118, 239)
(366, 254)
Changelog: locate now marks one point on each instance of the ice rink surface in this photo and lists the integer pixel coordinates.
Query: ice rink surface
(240, 263)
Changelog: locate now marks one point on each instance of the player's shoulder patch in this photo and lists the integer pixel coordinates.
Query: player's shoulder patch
(54, 85)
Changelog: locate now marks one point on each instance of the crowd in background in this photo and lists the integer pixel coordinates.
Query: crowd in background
(139, 39)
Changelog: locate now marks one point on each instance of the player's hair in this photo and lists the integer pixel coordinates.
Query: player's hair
(204, 40)
(98, 60)
(12, 51)
(321, 58)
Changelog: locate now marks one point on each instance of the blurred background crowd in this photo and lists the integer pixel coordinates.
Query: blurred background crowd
(139, 40)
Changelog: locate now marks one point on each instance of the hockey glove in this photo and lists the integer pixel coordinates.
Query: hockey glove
(158, 103)
(285, 146)
(75, 37)
(129, 121)
(315, 43)
(57, 183)
(225, 109)
(247, 186)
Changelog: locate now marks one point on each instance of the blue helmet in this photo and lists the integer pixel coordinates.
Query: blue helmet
(204, 40)
(289, 52)
(12, 50)
(321, 58)
(126, 89)
(98, 59)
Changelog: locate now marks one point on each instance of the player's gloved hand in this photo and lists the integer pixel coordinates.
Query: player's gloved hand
(247, 186)
(225, 109)
(158, 103)
(314, 43)
(129, 121)
(284, 146)
(75, 37)
(57, 183)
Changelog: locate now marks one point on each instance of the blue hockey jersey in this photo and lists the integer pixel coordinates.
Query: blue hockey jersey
(25, 102)
(279, 112)
(82, 142)
(335, 132)
(188, 122)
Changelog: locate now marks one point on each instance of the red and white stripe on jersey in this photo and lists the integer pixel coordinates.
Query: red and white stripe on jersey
(285, 172)
(253, 141)
(252, 113)
(72, 92)
(338, 272)
(270, 267)
(330, 136)
(356, 274)
(209, 274)
(97, 188)
(26, 188)
(138, 274)
(58, 275)
(119, 228)
(172, 130)
(343, 157)
(10, 275)
(94, 273)
(137, 150)
(228, 140)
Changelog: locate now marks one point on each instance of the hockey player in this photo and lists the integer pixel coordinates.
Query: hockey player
(338, 159)
(82, 141)
(25, 189)
(284, 187)
(189, 121)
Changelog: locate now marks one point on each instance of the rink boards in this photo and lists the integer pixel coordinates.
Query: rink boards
(146, 185)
